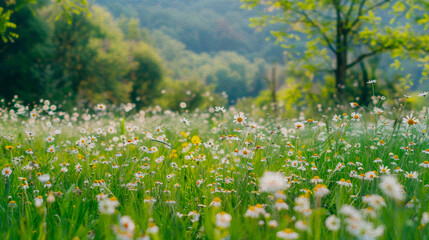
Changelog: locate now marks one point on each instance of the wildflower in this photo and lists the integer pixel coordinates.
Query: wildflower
(410, 120)
(316, 180)
(220, 109)
(153, 229)
(100, 107)
(371, 175)
(280, 205)
(273, 224)
(411, 175)
(302, 204)
(38, 201)
(194, 216)
(390, 186)
(51, 149)
(12, 204)
(299, 125)
(216, 202)
(424, 164)
(372, 81)
(356, 116)
(336, 118)
(423, 94)
(273, 182)
(343, 182)
(252, 212)
(287, 234)
(6, 171)
(384, 169)
(301, 225)
(333, 223)
(108, 206)
(375, 201)
(223, 220)
(378, 111)
(185, 121)
(43, 178)
(239, 118)
(354, 104)
(321, 190)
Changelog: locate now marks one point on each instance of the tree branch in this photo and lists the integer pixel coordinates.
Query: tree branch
(328, 42)
(359, 14)
(377, 5)
(363, 56)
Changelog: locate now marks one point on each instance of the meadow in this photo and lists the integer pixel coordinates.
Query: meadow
(112, 172)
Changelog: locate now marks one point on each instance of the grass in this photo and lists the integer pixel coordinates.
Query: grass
(204, 161)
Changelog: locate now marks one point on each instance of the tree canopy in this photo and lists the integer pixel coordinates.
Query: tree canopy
(334, 36)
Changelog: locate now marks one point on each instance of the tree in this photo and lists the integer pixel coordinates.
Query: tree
(8, 8)
(335, 29)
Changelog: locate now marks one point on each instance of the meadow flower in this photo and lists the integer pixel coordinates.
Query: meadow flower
(216, 202)
(287, 233)
(273, 182)
(384, 169)
(107, 206)
(100, 107)
(336, 118)
(302, 204)
(425, 218)
(378, 111)
(193, 216)
(299, 125)
(273, 224)
(371, 175)
(301, 225)
(354, 104)
(321, 190)
(223, 220)
(239, 118)
(413, 175)
(252, 212)
(38, 201)
(220, 109)
(390, 187)
(343, 182)
(410, 120)
(423, 94)
(280, 205)
(43, 178)
(6, 171)
(356, 116)
(424, 164)
(375, 201)
(185, 121)
(51, 149)
(316, 180)
(333, 223)
(153, 229)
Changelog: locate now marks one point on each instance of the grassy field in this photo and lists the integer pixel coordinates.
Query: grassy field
(113, 173)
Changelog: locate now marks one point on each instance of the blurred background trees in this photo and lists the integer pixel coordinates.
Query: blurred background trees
(203, 53)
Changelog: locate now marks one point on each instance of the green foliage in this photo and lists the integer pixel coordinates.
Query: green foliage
(348, 32)
(146, 75)
(202, 26)
(82, 62)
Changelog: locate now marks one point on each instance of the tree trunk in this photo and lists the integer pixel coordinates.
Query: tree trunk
(364, 86)
(274, 88)
(340, 75)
